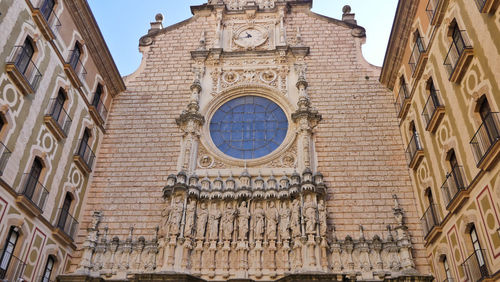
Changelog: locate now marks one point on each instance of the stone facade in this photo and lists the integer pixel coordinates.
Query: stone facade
(441, 66)
(333, 198)
(47, 103)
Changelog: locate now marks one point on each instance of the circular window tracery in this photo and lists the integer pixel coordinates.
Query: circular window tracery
(248, 127)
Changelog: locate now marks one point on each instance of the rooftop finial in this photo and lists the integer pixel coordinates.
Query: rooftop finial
(347, 16)
(157, 24)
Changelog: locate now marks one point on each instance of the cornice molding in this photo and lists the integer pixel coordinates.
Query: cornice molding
(87, 26)
(400, 33)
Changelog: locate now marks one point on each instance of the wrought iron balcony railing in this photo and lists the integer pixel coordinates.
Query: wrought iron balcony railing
(454, 183)
(85, 152)
(11, 267)
(413, 147)
(475, 266)
(431, 9)
(33, 191)
(480, 4)
(430, 219)
(416, 53)
(67, 223)
(4, 157)
(403, 97)
(77, 66)
(456, 50)
(25, 67)
(433, 103)
(486, 137)
(59, 114)
(101, 109)
(48, 14)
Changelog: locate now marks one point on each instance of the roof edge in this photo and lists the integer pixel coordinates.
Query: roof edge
(89, 29)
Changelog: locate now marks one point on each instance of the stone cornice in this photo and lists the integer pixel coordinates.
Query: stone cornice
(401, 28)
(87, 26)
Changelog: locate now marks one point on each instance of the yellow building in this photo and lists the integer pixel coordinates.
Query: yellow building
(443, 66)
(57, 80)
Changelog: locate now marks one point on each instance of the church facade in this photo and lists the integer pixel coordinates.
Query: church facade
(253, 142)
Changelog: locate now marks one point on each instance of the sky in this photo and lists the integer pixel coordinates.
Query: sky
(123, 22)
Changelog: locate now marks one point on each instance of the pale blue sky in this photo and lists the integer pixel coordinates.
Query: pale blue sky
(123, 22)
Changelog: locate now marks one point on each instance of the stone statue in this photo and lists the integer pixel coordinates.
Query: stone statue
(322, 218)
(271, 221)
(190, 214)
(310, 215)
(213, 222)
(202, 217)
(284, 226)
(295, 218)
(175, 217)
(259, 222)
(228, 222)
(243, 216)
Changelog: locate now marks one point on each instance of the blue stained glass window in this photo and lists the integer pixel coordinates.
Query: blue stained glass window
(248, 127)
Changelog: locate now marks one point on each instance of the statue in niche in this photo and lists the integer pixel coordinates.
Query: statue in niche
(213, 223)
(271, 221)
(284, 226)
(175, 216)
(322, 218)
(296, 218)
(165, 213)
(259, 222)
(228, 222)
(310, 215)
(202, 217)
(243, 216)
(190, 214)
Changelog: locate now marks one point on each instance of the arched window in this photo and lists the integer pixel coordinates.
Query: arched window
(46, 8)
(65, 212)
(33, 178)
(25, 55)
(447, 270)
(489, 121)
(75, 56)
(49, 266)
(84, 143)
(97, 96)
(8, 252)
(478, 252)
(58, 104)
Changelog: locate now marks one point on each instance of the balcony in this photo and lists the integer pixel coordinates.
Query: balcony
(46, 19)
(486, 6)
(435, 11)
(433, 112)
(402, 103)
(75, 71)
(84, 157)
(66, 227)
(57, 119)
(418, 58)
(32, 195)
(454, 189)
(23, 73)
(459, 57)
(414, 152)
(11, 270)
(4, 157)
(476, 266)
(98, 111)
(486, 142)
(431, 221)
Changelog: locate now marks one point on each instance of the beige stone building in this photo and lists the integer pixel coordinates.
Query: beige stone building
(57, 79)
(443, 65)
(254, 142)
